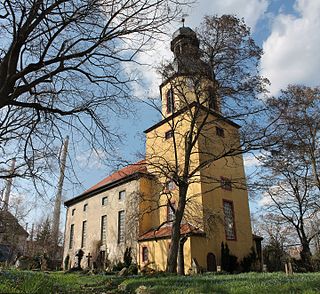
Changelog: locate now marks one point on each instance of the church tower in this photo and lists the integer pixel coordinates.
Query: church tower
(193, 133)
(184, 75)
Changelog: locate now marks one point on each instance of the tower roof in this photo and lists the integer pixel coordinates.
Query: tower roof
(185, 35)
(184, 32)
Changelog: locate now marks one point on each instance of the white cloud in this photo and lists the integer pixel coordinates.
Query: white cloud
(251, 161)
(264, 200)
(250, 10)
(276, 191)
(92, 159)
(151, 59)
(292, 49)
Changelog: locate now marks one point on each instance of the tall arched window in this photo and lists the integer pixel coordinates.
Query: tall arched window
(212, 99)
(170, 101)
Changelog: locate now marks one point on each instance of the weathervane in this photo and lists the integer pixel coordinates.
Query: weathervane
(184, 19)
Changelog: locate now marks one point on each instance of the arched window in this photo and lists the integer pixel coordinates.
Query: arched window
(170, 101)
(212, 99)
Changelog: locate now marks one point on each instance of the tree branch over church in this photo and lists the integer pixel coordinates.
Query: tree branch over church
(62, 70)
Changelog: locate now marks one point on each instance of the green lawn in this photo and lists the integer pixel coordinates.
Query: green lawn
(46, 283)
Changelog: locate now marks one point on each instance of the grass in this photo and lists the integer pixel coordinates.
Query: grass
(241, 283)
(38, 282)
(30, 282)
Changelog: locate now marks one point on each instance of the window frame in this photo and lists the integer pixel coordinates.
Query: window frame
(84, 234)
(85, 207)
(71, 236)
(170, 101)
(121, 226)
(226, 183)
(168, 135)
(145, 254)
(212, 100)
(234, 238)
(103, 229)
(104, 200)
(120, 198)
(73, 211)
(219, 131)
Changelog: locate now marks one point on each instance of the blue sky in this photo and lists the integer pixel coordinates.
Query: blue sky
(288, 32)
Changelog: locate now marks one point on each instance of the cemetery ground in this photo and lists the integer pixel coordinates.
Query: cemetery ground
(14, 281)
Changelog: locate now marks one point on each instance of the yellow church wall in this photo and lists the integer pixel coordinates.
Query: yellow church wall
(201, 246)
(160, 153)
(214, 195)
(149, 214)
(158, 252)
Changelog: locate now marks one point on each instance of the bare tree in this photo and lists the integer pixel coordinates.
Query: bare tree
(291, 167)
(277, 239)
(13, 231)
(210, 92)
(62, 71)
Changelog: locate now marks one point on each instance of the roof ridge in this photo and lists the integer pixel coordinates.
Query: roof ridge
(119, 174)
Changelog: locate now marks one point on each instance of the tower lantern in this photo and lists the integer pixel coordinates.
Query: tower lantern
(185, 47)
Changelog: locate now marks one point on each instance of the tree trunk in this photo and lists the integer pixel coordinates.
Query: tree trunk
(175, 234)
(305, 255)
(181, 256)
(174, 246)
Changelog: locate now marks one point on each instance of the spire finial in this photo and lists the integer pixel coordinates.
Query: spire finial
(184, 19)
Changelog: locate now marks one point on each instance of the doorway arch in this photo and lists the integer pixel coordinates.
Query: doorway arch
(211, 262)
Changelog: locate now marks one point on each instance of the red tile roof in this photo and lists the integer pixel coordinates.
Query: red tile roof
(114, 179)
(165, 232)
(131, 169)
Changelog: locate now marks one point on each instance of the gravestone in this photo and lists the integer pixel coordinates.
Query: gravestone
(89, 256)
(264, 268)
(195, 266)
(79, 256)
(288, 268)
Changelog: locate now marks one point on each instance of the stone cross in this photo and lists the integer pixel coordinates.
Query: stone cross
(89, 256)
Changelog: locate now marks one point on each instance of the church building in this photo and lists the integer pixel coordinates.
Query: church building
(193, 147)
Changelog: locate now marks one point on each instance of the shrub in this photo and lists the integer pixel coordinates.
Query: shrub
(118, 266)
(274, 256)
(229, 262)
(248, 262)
(66, 262)
(315, 260)
(133, 269)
